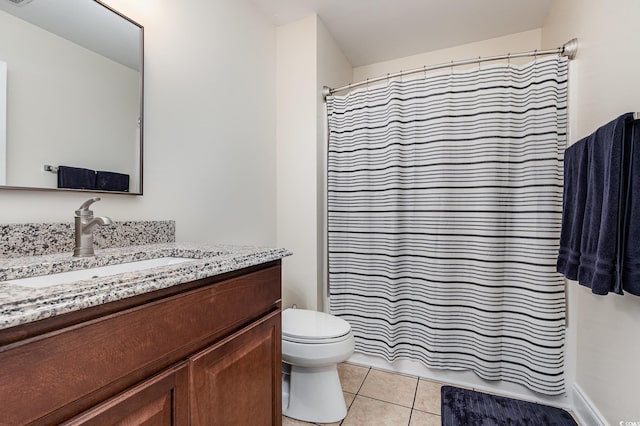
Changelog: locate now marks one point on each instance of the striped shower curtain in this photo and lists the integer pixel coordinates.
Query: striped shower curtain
(444, 205)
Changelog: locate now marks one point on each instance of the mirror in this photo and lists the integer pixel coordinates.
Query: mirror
(71, 84)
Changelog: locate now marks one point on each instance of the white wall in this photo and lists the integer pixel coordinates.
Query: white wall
(3, 123)
(209, 147)
(604, 84)
(65, 105)
(519, 42)
(334, 70)
(307, 58)
(296, 142)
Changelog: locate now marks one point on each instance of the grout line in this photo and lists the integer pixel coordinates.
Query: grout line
(362, 383)
(413, 404)
(415, 394)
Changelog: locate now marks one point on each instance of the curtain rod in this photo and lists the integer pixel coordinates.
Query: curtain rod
(569, 49)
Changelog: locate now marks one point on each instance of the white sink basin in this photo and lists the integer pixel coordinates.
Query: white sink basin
(98, 272)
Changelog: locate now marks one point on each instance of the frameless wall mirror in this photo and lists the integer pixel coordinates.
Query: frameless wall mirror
(71, 91)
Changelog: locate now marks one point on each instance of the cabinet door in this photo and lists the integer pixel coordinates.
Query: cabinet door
(159, 401)
(238, 381)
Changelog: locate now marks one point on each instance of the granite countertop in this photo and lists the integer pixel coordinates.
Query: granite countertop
(20, 305)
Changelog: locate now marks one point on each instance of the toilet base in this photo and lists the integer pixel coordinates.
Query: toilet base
(315, 395)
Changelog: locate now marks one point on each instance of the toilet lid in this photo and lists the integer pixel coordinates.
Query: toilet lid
(312, 325)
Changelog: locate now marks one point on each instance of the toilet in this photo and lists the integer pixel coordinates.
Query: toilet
(313, 343)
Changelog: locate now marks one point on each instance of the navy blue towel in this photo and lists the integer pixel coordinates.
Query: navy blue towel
(76, 178)
(631, 226)
(574, 197)
(111, 181)
(592, 236)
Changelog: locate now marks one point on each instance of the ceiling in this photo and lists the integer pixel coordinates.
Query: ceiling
(370, 31)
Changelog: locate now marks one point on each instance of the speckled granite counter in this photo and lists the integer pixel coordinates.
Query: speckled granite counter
(20, 305)
(38, 239)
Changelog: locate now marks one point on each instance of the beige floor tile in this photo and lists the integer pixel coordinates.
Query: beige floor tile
(390, 387)
(428, 397)
(348, 398)
(420, 418)
(287, 421)
(366, 412)
(351, 376)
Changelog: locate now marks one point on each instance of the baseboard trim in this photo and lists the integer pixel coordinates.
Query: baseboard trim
(585, 409)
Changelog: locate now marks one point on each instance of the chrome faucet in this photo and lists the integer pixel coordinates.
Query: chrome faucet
(85, 222)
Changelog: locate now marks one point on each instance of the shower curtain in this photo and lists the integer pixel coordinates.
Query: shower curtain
(444, 205)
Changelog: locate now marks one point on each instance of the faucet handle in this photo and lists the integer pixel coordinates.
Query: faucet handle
(86, 204)
(84, 208)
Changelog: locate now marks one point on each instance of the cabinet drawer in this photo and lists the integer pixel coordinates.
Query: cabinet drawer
(60, 374)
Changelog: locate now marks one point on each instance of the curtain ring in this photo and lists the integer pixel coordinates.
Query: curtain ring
(535, 55)
(479, 63)
(452, 66)
(508, 59)
(401, 75)
(424, 69)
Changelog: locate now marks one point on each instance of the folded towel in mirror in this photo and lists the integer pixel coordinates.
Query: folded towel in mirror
(76, 178)
(112, 181)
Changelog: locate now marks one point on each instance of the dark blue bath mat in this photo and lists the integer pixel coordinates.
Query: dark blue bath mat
(464, 407)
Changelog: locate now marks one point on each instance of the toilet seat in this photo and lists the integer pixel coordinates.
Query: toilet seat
(312, 327)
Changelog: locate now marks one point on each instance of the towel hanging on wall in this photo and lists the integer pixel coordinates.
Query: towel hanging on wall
(631, 224)
(597, 219)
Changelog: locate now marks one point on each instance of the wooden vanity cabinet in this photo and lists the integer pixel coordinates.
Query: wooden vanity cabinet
(208, 353)
(160, 400)
(235, 383)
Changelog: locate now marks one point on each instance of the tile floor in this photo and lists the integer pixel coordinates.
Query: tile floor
(377, 397)
(381, 398)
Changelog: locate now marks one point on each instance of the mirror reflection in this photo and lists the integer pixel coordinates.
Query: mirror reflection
(70, 96)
